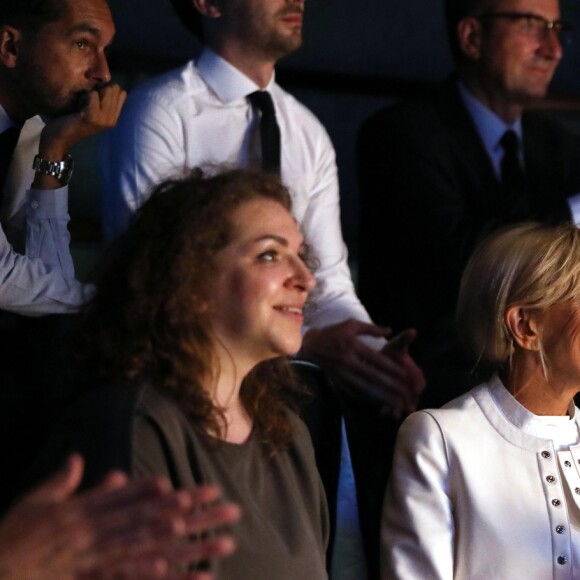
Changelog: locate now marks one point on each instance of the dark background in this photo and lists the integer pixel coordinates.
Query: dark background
(357, 57)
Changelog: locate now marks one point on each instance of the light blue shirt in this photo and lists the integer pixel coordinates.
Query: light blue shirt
(348, 557)
(490, 128)
(41, 279)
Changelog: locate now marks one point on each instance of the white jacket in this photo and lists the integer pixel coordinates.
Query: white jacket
(477, 491)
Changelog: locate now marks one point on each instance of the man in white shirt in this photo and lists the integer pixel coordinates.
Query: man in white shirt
(201, 115)
(52, 63)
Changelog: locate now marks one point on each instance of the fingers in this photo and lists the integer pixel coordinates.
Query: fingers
(141, 521)
(112, 99)
(160, 557)
(116, 492)
(104, 107)
(376, 364)
(198, 551)
(394, 369)
(100, 110)
(199, 576)
(203, 494)
(105, 523)
(61, 485)
(401, 342)
(113, 480)
(130, 526)
(212, 517)
(120, 529)
(142, 569)
(389, 391)
(330, 345)
(354, 327)
(415, 375)
(202, 575)
(391, 400)
(389, 375)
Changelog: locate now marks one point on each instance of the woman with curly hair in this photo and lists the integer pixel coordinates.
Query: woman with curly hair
(194, 315)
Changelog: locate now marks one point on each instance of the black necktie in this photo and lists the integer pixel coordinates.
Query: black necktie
(269, 130)
(513, 178)
(8, 140)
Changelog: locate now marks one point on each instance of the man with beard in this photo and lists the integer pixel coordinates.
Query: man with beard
(52, 64)
(445, 169)
(212, 112)
(54, 92)
(226, 108)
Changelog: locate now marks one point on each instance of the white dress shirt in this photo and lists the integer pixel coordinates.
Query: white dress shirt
(199, 115)
(36, 268)
(483, 489)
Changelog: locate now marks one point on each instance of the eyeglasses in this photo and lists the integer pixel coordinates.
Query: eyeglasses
(534, 26)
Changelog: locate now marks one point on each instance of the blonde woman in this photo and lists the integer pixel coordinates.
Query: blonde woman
(488, 487)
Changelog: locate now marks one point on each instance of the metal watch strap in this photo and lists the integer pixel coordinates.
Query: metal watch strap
(62, 170)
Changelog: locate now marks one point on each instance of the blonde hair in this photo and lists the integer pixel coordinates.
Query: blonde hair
(529, 265)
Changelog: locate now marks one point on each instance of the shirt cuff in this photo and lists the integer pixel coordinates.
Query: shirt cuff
(48, 203)
(574, 203)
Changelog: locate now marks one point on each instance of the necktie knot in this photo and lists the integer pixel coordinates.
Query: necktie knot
(269, 130)
(263, 101)
(510, 142)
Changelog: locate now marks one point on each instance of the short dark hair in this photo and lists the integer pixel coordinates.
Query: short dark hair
(190, 17)
(31, 13)
(456, 10)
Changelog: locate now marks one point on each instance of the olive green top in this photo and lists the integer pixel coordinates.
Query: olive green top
(284, 528)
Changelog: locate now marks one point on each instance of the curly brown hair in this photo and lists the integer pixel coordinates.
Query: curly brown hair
(146, 321)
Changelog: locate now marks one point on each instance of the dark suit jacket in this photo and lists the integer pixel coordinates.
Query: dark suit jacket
(428, 194)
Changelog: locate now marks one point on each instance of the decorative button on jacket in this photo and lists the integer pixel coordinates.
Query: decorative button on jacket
(478, 491)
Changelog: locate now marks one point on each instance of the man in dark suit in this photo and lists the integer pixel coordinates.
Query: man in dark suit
(437, 175)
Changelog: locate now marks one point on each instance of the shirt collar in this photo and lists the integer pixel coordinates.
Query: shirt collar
(559, 429)
(226, 81)
(489, 126)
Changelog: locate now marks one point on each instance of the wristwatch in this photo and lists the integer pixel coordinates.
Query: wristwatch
(62, 170)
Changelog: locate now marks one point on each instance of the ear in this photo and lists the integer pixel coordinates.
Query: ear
(9, 45)
(469, 35)
(208, 8)
(523, 326)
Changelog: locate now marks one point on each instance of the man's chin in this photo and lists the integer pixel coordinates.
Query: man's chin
(285, 46)
(74, 105)
(529, 95)
(539, 94)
